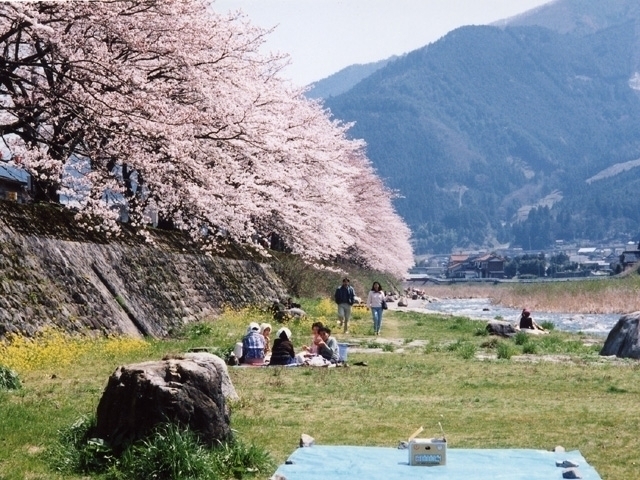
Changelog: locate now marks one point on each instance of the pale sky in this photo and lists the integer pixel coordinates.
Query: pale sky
(324, 36)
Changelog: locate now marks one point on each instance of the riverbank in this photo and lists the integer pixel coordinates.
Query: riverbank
(482, 308)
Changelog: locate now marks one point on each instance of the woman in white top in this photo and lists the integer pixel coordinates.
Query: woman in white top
(374, 302)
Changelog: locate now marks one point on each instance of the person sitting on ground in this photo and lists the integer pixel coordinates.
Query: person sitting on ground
(291, 304)
(283, 352)
(265, 331)
(279, 311)
(526, 322)
(327, 345)
(253, 346)
(315, 337)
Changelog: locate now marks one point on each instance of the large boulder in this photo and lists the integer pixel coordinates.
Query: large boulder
(213, 361)
(501, 328)
(184, 391)
(624, 338)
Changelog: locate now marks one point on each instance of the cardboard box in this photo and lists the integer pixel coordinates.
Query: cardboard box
(428, 452)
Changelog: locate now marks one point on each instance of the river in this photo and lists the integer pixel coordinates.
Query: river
(482, 309)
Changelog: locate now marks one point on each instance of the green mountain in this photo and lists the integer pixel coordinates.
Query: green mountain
(344, 79)
(499, 134)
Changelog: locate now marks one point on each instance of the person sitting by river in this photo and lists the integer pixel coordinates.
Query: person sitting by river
(282, 352)
(528, 323)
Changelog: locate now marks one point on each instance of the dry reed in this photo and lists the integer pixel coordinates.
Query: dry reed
(588, 296)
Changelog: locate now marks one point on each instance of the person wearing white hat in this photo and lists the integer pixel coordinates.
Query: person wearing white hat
(282, 352)
(265, 331)
(253, 346)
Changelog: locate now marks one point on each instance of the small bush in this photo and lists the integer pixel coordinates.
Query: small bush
(467, 351)
(453, 347)
(530, 348)
(9, 379)
(548, 325)
(504, 350)
(521, 338)
(198, 330)
(388, 347)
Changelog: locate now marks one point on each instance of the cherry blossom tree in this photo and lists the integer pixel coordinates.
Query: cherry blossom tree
(167, 106)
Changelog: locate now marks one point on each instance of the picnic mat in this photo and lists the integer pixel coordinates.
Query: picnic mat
(380, 463)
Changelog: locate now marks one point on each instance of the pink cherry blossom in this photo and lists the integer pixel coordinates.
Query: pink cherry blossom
(165, 106)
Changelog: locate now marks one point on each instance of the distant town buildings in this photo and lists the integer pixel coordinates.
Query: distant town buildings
(563, 261)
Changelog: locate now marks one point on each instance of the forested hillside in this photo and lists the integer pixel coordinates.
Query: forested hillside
(345, 79)
(477, 131)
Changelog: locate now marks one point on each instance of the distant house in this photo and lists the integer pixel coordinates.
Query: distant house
(15, 184)
(629, 258)
(487, 265)
(461, 270)
(490, 266)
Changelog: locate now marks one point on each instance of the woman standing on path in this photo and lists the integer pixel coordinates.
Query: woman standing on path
(374, 302)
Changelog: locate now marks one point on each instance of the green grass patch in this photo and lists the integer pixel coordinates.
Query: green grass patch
(581, 400)
(168, 452)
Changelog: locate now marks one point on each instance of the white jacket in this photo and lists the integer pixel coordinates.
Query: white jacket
(374, 300)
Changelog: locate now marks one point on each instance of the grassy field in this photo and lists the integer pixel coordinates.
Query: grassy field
(423, 369)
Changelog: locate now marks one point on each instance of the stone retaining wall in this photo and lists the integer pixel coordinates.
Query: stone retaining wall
(56, 277)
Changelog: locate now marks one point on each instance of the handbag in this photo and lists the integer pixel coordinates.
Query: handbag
(384, 305)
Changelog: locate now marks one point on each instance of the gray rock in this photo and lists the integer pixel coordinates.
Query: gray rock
(205, 358)
(139, 397)
(624, 338)
(501, 328)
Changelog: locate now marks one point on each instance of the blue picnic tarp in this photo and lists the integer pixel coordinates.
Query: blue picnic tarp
(321, 462)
